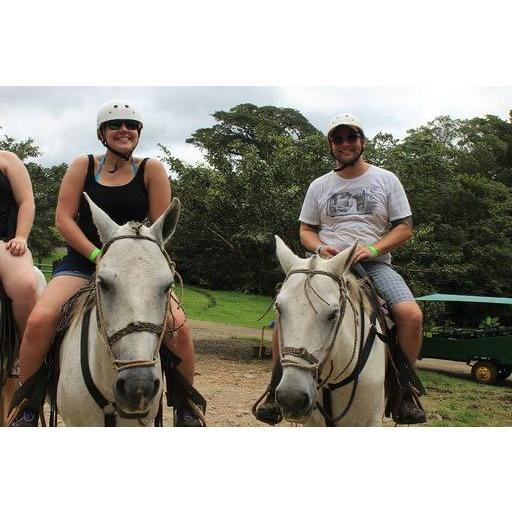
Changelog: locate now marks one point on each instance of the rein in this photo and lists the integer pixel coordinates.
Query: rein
(313, 362)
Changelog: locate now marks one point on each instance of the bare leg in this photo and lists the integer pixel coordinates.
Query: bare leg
(43, 322)
(409, 322)
(182, 343)
(19, 282)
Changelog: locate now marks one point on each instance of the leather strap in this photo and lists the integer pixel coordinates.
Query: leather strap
(108, 408)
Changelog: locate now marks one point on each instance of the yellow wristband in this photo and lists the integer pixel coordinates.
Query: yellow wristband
(94, 254)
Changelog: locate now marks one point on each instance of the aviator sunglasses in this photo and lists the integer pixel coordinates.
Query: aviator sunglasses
(130, 124)
(340, 139)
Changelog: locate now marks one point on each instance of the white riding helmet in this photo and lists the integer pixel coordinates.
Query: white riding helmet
(118, 109)
(345, 120)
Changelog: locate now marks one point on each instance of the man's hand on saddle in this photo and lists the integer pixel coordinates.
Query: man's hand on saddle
(362, 253)
(327, 251)
(17, 246)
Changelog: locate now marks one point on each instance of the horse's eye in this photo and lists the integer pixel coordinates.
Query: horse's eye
(104, 284)
(332, 315)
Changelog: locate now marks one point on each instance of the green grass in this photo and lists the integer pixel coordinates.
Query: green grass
(47, 262)
(227, 307)
(224, 307)
(457, 402)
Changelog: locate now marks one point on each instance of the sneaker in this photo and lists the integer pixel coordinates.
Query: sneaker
(409, 413)
(269, 411)
(27, 418)
(186, 417)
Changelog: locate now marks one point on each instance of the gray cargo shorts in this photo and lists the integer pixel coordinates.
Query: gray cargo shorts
(389, 283)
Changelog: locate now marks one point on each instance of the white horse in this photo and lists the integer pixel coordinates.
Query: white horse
(110, 371)
(10, 384)
(328, 344)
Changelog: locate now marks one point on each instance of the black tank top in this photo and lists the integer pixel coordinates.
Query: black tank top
(122, 203)
(8, 210)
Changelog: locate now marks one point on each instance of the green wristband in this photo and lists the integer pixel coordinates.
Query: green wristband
(374, 251)
(94, 254)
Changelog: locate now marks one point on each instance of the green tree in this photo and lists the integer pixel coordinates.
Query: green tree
(261, 161)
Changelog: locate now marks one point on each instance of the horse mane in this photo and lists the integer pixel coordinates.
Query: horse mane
(83, 300)
(354, 284)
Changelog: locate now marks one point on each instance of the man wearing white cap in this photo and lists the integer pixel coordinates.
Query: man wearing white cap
(359, 201)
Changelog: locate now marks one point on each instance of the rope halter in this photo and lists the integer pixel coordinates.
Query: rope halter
(158, 329)
(315, 361)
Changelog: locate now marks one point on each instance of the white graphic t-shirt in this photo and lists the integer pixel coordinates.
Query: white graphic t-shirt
(360, 208)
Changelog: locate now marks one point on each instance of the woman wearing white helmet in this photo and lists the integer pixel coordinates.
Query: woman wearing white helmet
(126, 188)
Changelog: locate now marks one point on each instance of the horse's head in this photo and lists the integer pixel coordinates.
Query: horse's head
(311, 305)
(134, 277)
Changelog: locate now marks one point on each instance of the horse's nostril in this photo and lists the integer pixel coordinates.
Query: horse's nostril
(120, 387)
(156, 387)
(297, 401)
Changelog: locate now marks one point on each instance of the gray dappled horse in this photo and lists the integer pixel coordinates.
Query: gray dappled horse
(123, 329)
(333, 362)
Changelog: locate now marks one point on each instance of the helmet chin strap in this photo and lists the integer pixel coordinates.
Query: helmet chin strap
(124, 156)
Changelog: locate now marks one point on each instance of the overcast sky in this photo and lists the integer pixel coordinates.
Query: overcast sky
(62, 120)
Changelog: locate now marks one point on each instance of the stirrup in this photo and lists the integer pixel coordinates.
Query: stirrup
(269, 411)
(189, 415)
(406, 408)
(23, 415)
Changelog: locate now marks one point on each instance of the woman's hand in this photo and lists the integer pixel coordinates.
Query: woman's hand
(17, 246)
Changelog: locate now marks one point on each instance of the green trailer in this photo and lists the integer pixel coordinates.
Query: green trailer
(487, 351)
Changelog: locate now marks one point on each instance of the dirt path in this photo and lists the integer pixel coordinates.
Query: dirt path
(231, 378)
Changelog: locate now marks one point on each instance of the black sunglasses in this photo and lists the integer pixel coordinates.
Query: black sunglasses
(340, 139)
(130, 124)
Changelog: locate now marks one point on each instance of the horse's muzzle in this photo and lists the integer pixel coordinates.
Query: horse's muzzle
(296, 401)
(136, 388)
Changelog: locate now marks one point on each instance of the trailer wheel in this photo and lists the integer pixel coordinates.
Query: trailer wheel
(484, 372)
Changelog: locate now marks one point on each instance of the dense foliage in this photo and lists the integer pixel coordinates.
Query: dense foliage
(259, 163)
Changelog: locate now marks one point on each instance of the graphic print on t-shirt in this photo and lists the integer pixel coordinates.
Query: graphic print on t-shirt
(356, 201)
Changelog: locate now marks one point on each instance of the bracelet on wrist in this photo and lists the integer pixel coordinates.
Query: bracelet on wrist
(317, 250)
(93, 255)
(373, 251)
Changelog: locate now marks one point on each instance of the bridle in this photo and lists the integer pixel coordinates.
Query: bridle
(316, 361)
(158, 329)
(109, 408)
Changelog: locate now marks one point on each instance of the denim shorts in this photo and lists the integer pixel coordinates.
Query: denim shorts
(74, 264)
(389, 283)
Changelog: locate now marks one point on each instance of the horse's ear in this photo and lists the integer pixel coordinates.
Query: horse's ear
(163, 227)
(343, 260)
(107, 228)
(285, 255)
